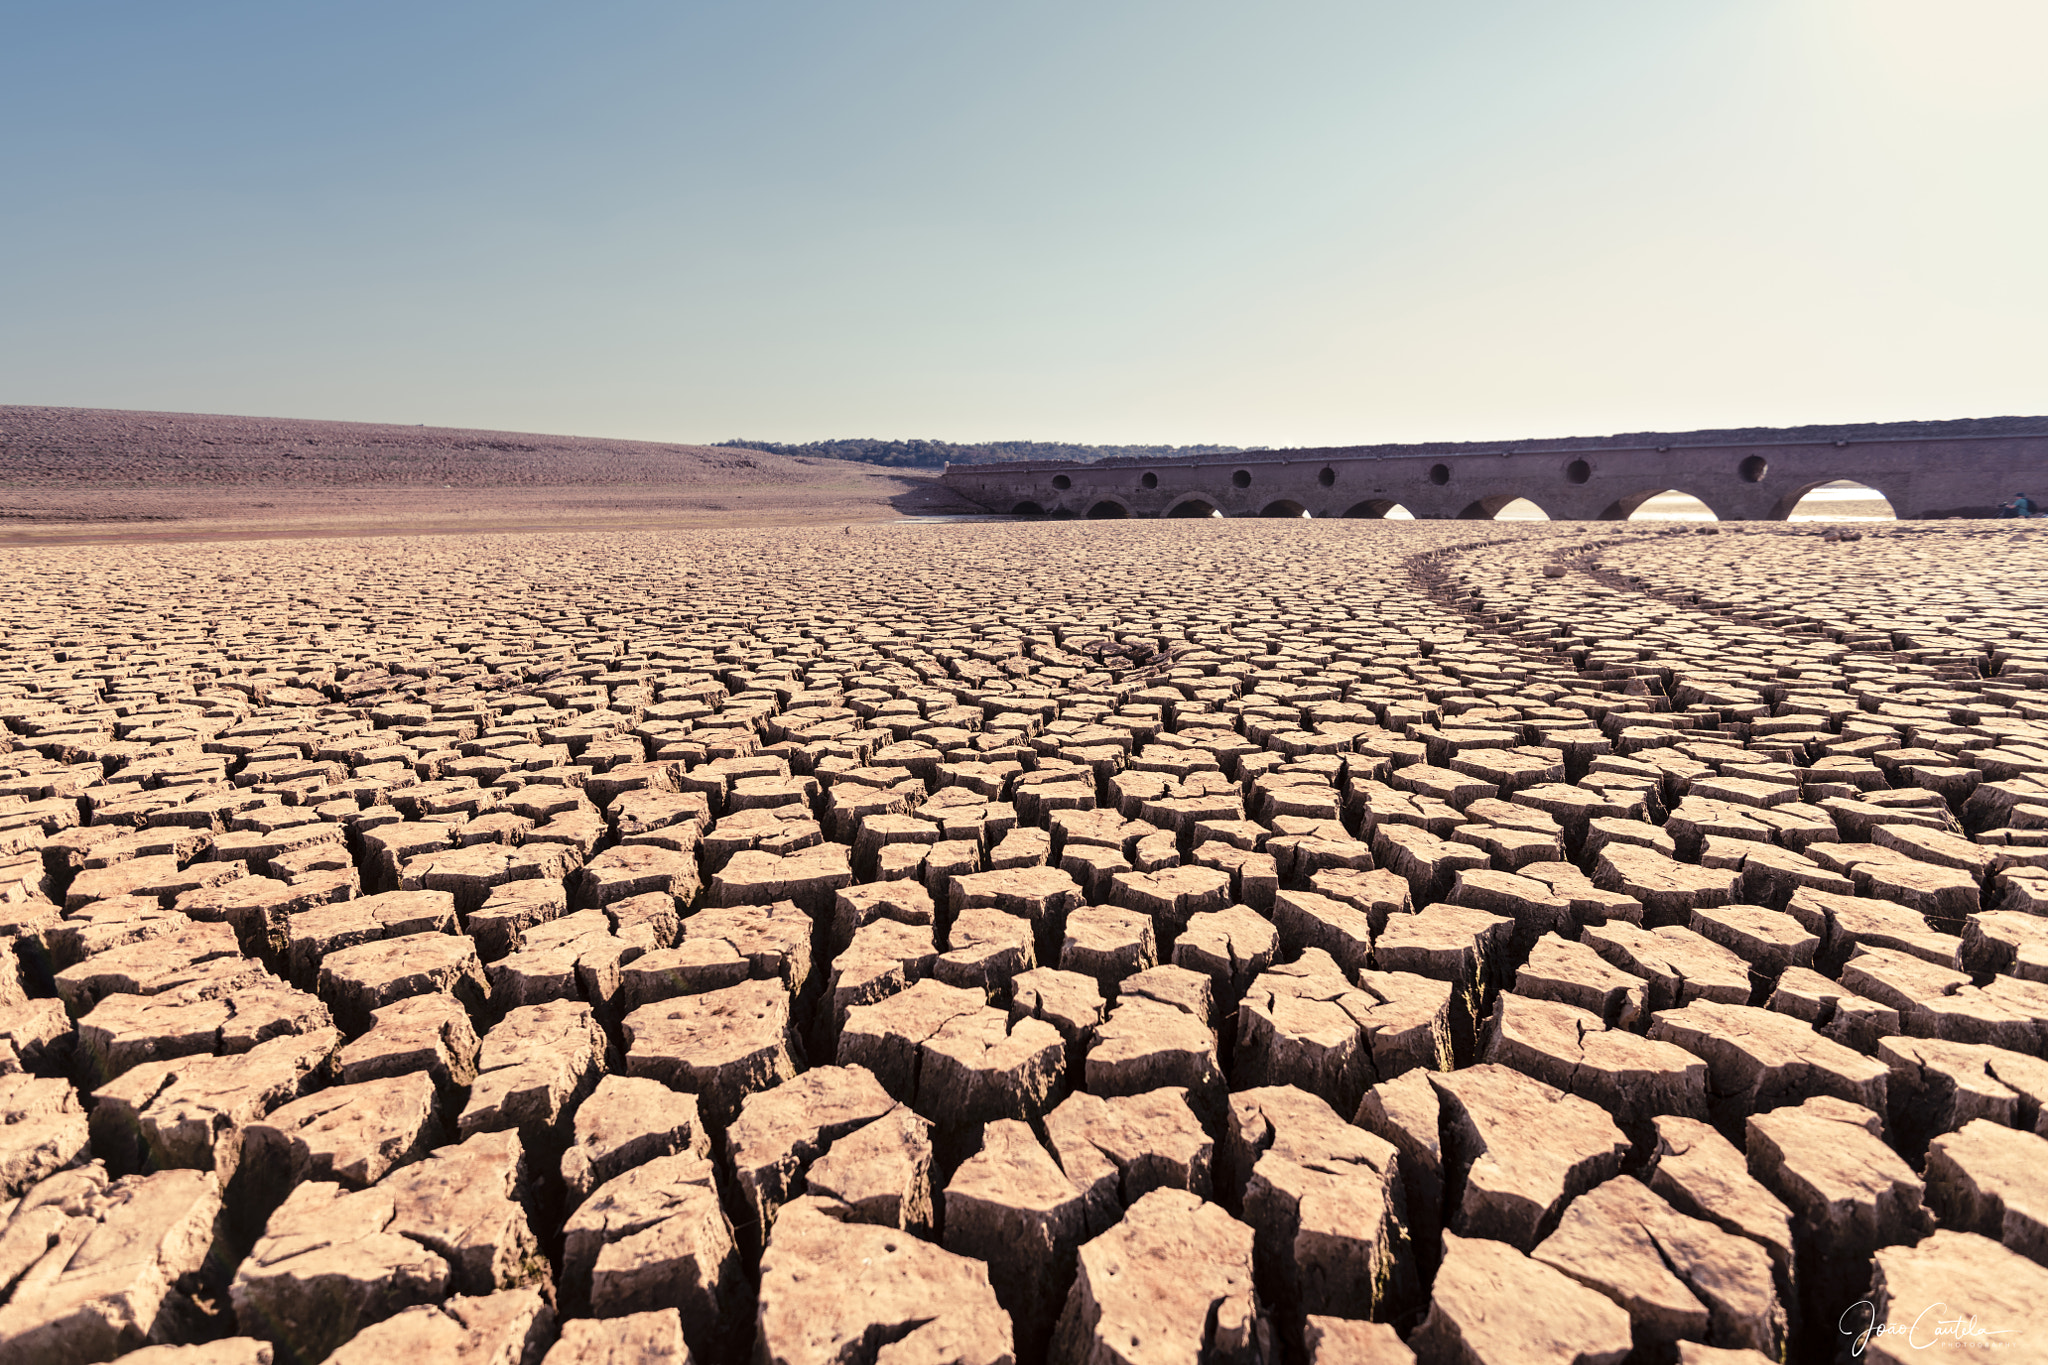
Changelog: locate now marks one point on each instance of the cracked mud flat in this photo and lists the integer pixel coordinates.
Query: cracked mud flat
(1089, 942)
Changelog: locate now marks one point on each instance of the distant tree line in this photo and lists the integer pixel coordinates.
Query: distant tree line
(932, 454)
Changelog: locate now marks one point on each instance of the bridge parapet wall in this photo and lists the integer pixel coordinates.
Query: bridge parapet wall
(1750, 481)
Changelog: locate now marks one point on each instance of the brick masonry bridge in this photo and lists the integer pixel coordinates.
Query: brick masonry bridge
(1924, 469)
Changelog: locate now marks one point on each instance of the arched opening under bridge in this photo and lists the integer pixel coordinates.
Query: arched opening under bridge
(1845, 500)
(1193, 507)
(1027, 509)
(1659, 504)
(1378, 508)
(1505, 507)
(1285, 507)
(1109, 509)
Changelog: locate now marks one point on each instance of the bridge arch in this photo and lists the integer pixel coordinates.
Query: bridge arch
(1795, 503)
(1376, 508)
(1191, 505)
(1627, 507)
(1027, 508)
(1109, 508)
(1490, 509)
(1284, 507)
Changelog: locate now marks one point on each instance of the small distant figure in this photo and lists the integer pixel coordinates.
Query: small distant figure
(849, 530)
(2021, 506)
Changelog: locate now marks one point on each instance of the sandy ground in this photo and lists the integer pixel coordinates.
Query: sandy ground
(77, 476)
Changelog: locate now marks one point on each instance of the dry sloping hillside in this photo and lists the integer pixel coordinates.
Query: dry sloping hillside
(71, 473)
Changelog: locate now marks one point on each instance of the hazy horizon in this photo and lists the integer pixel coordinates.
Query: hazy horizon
(1317, 224)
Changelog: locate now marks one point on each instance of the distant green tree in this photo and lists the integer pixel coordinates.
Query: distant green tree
(921, 454)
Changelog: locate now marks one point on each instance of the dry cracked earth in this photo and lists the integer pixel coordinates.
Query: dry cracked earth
(1142, 942)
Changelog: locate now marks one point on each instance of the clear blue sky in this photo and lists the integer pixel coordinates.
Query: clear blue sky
(1287, 223)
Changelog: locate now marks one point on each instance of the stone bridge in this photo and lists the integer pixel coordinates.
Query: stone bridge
(1931, 469)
